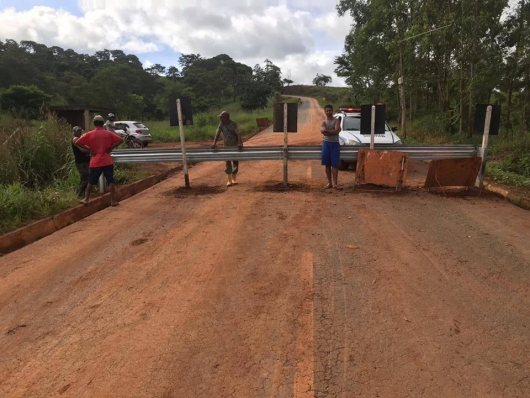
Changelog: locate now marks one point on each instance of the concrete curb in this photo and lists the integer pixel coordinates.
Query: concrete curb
(509, 196)
(30, 233)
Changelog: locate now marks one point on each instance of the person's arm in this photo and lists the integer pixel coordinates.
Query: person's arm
(337, 129)
(216, 136)
(82, 148)
(117, 141)
(323, 129)
(82, 142)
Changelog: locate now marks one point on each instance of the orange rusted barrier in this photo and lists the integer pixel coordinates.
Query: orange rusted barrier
(452, 172)
(388, 168)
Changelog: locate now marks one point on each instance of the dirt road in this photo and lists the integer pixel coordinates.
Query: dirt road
(253, 291)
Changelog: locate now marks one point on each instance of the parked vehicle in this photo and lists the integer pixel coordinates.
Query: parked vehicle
(350, 123)
(134, 133)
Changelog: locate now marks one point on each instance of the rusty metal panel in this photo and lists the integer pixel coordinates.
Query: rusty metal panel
(292, 118)
(378, 167)
(452, 172)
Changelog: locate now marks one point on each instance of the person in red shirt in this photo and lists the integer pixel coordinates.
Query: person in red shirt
(100, 143)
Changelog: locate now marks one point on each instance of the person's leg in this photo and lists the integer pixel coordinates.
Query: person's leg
(108, 172)
(326, 161)
(83, 170)
(93, 178)
(335, 175)
(228, 172)
(328, 175)
(235, 169)
(335, 159)
(112, 190)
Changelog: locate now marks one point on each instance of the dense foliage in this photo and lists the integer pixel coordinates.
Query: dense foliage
(33, 75)
(452, 54)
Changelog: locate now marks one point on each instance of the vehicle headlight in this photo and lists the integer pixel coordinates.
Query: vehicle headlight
(352, 142)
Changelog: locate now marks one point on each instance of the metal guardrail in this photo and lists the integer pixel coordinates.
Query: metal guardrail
(347, 153)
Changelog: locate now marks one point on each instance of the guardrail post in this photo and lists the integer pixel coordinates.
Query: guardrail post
(372, 131)
(183, 145)
(285, 141)
(102, 184)
(484, 148)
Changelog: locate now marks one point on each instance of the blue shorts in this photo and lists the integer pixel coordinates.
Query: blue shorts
(95, 172)
(330, 154)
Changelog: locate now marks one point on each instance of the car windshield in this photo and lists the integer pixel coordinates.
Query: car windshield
(139, 125)
(354, 123)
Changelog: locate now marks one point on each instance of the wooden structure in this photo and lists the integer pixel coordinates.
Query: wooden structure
(79, 115)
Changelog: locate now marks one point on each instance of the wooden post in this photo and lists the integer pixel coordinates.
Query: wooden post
(183, 145)
(484, 149)
(285, 142)
(86, 120)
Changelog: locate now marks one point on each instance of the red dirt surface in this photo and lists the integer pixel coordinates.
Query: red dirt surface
(260, 291)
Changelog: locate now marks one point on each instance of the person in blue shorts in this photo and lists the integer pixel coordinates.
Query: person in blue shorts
(330, 129)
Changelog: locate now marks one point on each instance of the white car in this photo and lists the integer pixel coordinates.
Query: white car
(350, 123)
(134, 129)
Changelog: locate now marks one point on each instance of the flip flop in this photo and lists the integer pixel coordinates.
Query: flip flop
(338, 188)
(83, 202)
(115, 204)
(329, 186)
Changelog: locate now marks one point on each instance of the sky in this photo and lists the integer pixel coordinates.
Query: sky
(302, 37)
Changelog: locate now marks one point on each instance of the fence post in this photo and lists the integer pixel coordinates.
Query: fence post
(285, 140)
(484, 148)
(183, 145)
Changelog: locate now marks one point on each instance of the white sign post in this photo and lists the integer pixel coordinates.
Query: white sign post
(372, 131)
(484, 149)
(183, 145)
(285, 141)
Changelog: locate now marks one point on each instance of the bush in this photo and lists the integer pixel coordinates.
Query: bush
(34, 155)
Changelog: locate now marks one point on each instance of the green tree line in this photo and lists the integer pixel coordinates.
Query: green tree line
(451, 55)
(33, 75)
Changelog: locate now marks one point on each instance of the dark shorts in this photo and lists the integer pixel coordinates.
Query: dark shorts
(95, 172)
(330, 154)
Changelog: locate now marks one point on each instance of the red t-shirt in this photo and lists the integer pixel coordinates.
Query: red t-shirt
(99, 141)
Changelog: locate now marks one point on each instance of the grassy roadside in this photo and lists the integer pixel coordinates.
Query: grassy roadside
(205, 125)
(38, 177)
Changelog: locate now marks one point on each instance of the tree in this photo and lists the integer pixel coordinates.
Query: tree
(156, 70)
(321, 80)
(24, 101)
(256, 96)
(287, 81)
(172, 73)
(131, 107)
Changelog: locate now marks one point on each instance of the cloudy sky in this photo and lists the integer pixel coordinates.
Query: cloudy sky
(302, 37)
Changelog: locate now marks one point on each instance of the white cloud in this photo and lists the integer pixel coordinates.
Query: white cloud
(302, 37)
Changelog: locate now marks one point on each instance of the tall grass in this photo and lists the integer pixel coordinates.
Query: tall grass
(38, 176)
(34, 154)
(205, 125)
(508, 154)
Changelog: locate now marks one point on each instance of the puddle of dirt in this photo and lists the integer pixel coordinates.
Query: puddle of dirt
(279, 187)
(138, 242)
